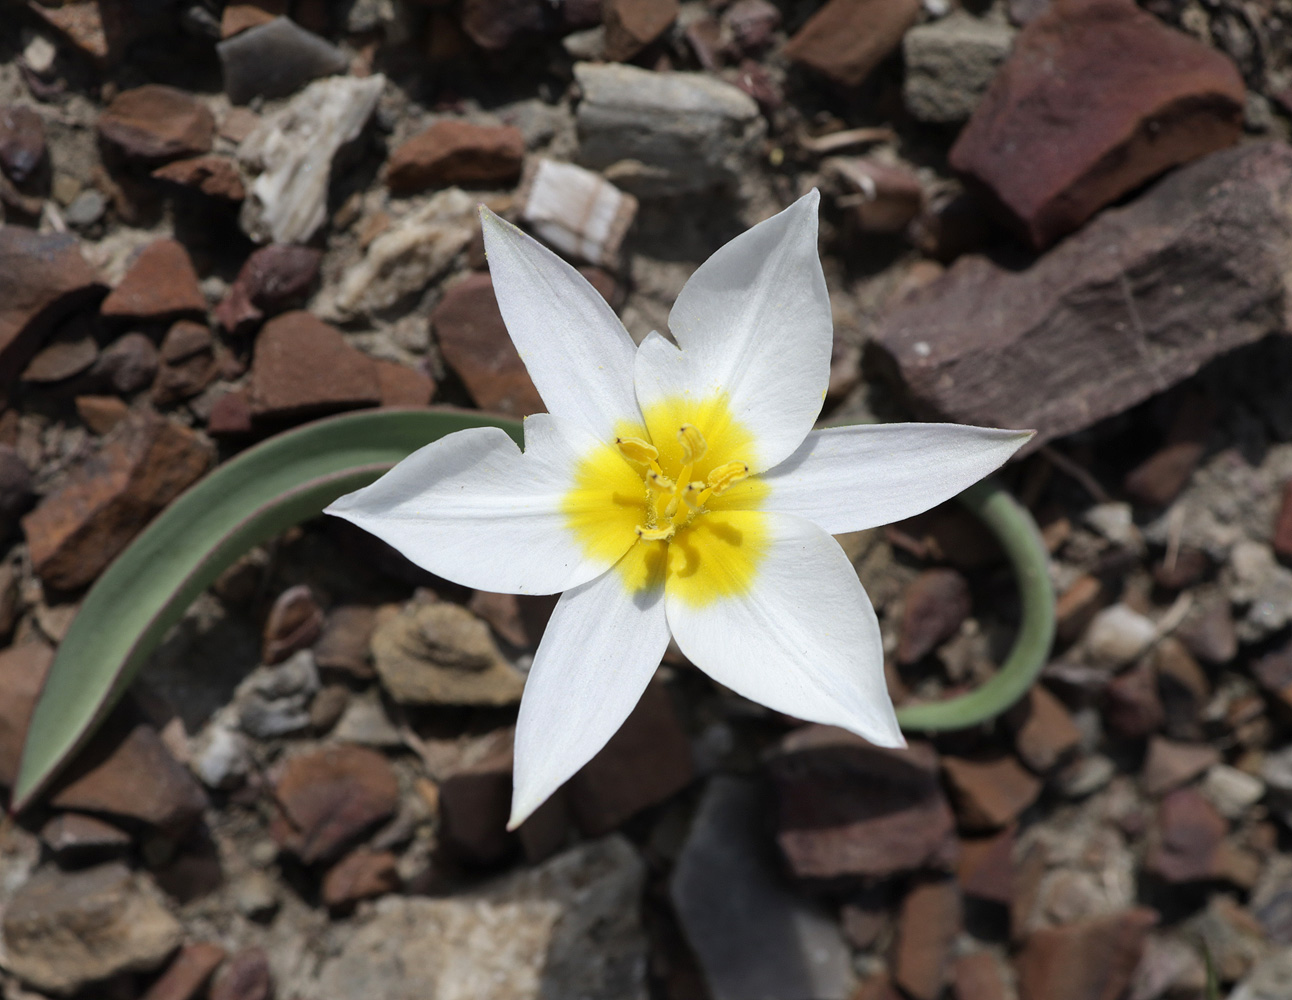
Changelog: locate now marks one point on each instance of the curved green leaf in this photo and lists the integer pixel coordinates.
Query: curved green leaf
(248, 500)
(291, 478)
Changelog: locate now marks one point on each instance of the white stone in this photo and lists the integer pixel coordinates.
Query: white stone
(1232, 791)
(575, 210)
(293, 149)
(1118, 635)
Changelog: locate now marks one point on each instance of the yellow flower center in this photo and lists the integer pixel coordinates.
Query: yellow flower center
(681, 489)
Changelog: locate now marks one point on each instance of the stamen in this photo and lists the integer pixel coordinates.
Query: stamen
(692, 494)
(726, 476)
(659, 481)
(693, 444)
(655, 534)
(637, 450)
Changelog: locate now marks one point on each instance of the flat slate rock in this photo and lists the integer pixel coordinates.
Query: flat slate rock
(276, 59)
(1097, 97)
(1139, 300)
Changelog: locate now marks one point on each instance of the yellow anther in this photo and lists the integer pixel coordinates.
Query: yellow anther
(693, 444)
(726, 476)
(637, 450)
(655, 534)
(692, 494)
(659, 481)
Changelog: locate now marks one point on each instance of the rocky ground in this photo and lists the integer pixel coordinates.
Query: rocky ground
(223, 220)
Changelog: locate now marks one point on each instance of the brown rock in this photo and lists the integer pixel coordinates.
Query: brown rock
(986, 868)
(22, 142)
(156, 122)
(1102, 321)
(926, 931)
(1283, 527)
(1132, 708)
(43, 280)
(294, 623)
(186, 976)
(1181, 568)
(161, 283)
(989, 794)
(303, 367)
(102, 29)
(246, 976)
(144, 463)
(1150, 98)
(889, 196)
(847, 39)
(70, 351)
(647, 761)
(937, 604)
(238, 17)
(475, 344)
(1091, 960)
(344, 642)
(126, 771)
(1169, 764)
(330, 797)
(496, 24)
(216, 176)
(978, 976)
(846, 808)
(126, 365)
(1187, 838)
(22, 675)
(631, 25)
(475, 802)
(400, 385)
(1045, 733)
(188, 363)
(361, 874)
(1159, 479)
(15, 489)
(1077, 605)
(230, 414)
(271, 279)
(456, 152)
(1208, 631)
(519, 620)
(76, 839)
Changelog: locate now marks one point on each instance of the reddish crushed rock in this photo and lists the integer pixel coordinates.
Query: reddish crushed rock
(246, 976)
(937, 604)
(1169, 764)
(344, 642)
(846, 808)
(188, 363)
(294, 622)
(271, 279)
(927, 929)
(216, 176)
(1283, 527)
(1090, 960)
(846, 39)
(43, 280)
(161, 283)
(330, 797)
(188, 973)
(399, 385)
(979, 976)
(1045, 733)
(22, 142)
(647, 761)
(126, 771)
(102, 29)
(456, 152)
(986, 868)
(989, 793)
(22, 674)
(143, 465)
(1189, 834)
(631, 25)
(475, 803)
(1097, 97)
(101, 413)
(475, 344)
(303, 367)
(361, 874)
(157, 122)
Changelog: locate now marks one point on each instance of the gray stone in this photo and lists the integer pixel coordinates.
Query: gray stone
(664, 133)
(949, 64)
(569, 928)
(86, 209)
(754, 937)
(1232, 791)
(1276, 772)
(293, 149)
(221, 756)
(63, 930)
(442, 654)
(275, 701)
(365, 722)
(275, 60)
(1260, 585)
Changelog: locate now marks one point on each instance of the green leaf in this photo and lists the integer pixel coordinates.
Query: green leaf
(291, 478)
(248, 500)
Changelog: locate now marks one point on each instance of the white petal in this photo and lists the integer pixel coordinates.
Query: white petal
(573, 345)
(599, 652)
(473, 509)
(851, 478)
(802, 638)
(754, 320)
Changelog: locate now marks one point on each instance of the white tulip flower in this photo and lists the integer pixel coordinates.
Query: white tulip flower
(675, 490)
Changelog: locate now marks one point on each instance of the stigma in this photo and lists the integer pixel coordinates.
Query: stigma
(673, 501)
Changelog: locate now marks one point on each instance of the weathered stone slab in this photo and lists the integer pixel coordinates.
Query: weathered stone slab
(1140, 299)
